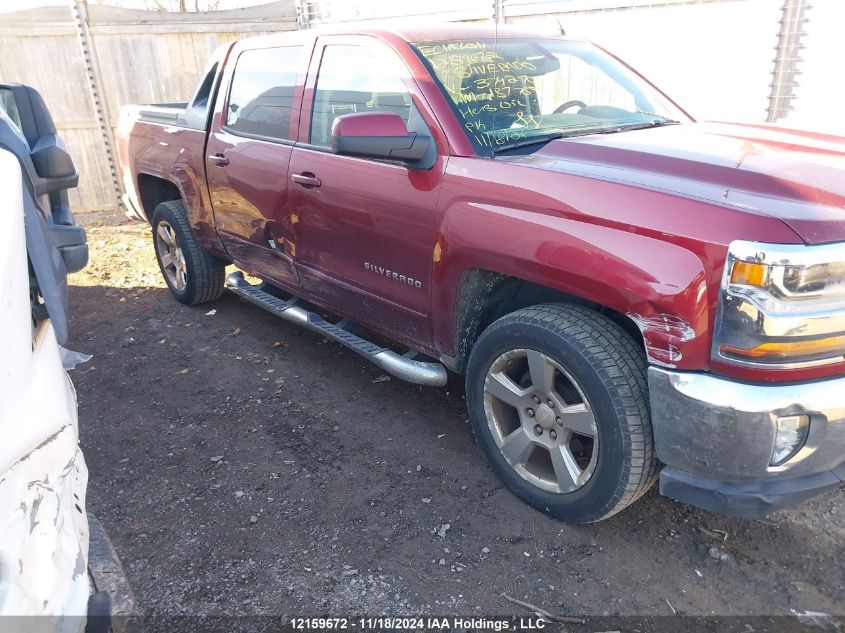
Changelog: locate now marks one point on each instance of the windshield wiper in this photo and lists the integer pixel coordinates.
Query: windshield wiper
(637, 126)
(535, 140)
(545, 138)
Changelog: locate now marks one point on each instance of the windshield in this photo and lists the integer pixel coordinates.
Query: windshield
(513, 91)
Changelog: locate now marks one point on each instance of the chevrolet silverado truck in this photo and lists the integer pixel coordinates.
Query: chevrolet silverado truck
(631, 295)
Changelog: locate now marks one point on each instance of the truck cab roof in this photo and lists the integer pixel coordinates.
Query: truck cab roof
(410, 33)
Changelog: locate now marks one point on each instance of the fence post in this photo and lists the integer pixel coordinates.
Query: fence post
(302, 14)
(499, 11)
(101, 110)
(787, 58)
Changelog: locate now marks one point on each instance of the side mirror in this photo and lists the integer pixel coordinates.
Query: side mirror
(378, 135)
(51, 159)
(54, 168)
(53, 165)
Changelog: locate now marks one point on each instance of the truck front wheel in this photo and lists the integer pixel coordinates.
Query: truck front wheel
(558, 400)
(192, 275)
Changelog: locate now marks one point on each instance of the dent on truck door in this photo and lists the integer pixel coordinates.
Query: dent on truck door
(366, 227)
(247, 156)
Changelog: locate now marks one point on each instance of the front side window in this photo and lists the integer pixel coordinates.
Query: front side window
(9, 106)
(512, 91)
(261, 96)
(357, 79)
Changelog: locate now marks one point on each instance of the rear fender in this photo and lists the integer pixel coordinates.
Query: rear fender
(176, 155)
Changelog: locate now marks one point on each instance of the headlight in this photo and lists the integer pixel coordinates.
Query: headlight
(782, 305)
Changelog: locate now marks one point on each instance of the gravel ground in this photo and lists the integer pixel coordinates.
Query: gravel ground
(243, 466)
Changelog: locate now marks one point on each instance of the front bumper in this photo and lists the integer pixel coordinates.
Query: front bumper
(716, 437)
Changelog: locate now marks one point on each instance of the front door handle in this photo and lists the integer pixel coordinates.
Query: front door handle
(221, 160)
(307, 180)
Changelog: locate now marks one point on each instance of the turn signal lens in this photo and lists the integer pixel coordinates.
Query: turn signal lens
(790, 350)
(748, 273)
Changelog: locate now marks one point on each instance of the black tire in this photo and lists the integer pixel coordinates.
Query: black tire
(609, 368)
(204, 276)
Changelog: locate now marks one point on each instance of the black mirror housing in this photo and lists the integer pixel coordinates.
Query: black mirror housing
(381, 135)
(51, 159)
(53, 165)
(411, 148)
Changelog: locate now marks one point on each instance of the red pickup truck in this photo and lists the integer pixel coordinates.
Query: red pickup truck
(630, 295)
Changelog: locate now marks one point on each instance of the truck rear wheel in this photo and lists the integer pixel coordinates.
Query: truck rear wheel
(558, 400)
(192, 275)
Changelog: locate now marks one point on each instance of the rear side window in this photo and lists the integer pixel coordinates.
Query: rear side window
(261, 95)
(357, 79)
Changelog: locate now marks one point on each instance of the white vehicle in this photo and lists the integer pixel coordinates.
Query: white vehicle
(46, 566)
(43, 477)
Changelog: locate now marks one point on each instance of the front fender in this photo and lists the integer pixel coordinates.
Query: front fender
(661, 286)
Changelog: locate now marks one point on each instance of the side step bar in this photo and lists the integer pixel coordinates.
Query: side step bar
(431, 374)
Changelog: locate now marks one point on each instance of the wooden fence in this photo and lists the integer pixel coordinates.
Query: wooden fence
(88, 60)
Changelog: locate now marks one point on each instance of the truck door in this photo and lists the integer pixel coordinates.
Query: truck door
(249, 146)
(365, 230)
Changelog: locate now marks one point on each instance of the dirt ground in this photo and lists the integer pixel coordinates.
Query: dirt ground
(244, 466)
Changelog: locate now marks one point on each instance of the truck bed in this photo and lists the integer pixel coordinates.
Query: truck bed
(163, 113)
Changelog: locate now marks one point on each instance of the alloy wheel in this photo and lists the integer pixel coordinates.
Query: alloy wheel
(171, 257)
(541, 420)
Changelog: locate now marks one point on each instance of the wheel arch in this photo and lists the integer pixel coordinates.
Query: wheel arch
(153, 190)
(486, 295)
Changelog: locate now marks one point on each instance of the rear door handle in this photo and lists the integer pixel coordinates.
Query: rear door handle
(307, 180)
(221, 160)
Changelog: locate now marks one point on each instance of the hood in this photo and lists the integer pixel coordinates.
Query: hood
(797, 177)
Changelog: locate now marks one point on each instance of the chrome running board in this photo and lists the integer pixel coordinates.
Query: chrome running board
(431, 374)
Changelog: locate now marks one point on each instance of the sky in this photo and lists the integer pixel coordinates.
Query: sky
(17, 5)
